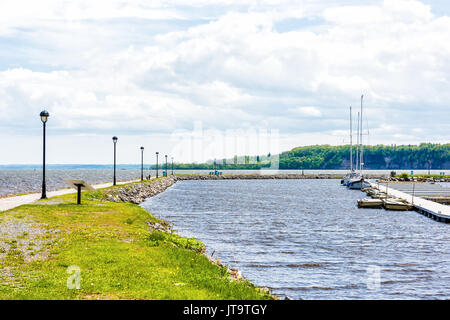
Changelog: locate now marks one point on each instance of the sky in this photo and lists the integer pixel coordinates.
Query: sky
(198, 79)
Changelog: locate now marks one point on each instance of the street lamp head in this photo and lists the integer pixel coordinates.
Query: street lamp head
(114, 139)
(142, 148)
(44, 116)
(157, 152)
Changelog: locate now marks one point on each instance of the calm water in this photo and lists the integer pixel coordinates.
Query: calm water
(21, 181)
(306, 238)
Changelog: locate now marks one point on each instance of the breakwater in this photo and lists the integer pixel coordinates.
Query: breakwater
(139, 192)
(263, 176)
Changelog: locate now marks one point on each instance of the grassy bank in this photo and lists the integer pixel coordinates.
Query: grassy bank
(116, 253)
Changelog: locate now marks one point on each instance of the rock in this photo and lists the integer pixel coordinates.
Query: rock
(154, 226)
(137, 192)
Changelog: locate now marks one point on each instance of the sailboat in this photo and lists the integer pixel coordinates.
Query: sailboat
(352, 175)
(358, 182)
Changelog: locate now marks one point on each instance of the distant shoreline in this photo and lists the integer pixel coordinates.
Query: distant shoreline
(161, 167)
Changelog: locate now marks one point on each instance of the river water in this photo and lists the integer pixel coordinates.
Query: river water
(307, 239)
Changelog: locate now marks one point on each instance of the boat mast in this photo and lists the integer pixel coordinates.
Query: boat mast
(361, 164)
(357, 145)
(351, 142)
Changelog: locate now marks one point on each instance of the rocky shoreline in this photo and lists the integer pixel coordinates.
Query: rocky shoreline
(139, 191)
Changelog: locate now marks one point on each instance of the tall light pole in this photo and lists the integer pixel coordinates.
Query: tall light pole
(114, 141)
(44, 117)
(157, 153)
(166, 165)
(142, 163)
(172, 165)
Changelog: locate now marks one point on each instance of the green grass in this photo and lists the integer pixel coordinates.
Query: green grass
(119, 258)
(435, 176)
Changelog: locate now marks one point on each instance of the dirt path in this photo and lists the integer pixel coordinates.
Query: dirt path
(15, 201)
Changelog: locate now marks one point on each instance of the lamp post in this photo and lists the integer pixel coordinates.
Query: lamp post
(166, 165)
(157, 153)
(44, 117)
(172, 165)
(114, 141)
(142, 163)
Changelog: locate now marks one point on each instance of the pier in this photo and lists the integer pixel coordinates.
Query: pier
(418, 194)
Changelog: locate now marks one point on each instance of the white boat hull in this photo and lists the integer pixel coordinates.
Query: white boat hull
(358, 184)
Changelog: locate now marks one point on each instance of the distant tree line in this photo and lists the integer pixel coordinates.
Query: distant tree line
(423, 156)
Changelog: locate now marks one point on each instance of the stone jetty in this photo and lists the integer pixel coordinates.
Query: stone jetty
(263, 176)
(138, 192)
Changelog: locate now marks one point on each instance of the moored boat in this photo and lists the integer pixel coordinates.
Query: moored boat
(370, 203)
(351, 176)
(379, 195)
(358, 184)
(390, 204)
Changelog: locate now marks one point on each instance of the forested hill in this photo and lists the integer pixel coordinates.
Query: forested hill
(375, 157)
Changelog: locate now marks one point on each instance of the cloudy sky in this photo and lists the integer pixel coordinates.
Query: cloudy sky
(150, 72)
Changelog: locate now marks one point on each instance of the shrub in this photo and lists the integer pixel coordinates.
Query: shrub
(157, 238)
(129, 221)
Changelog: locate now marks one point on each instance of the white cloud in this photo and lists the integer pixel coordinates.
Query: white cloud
(102, 67)
(307, 111)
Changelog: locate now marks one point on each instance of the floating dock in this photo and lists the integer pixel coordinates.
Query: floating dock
(415, 193)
